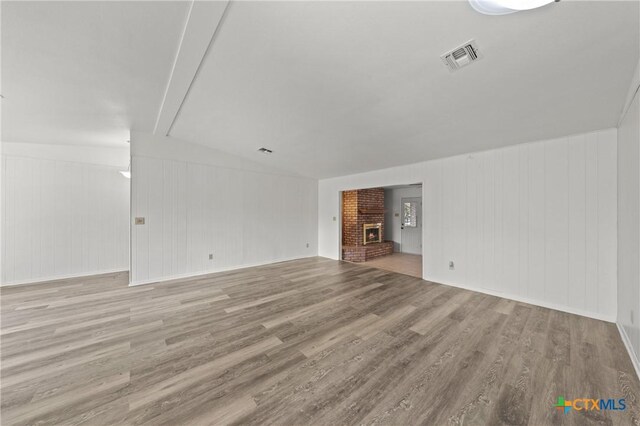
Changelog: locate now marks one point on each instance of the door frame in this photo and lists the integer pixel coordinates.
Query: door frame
(386, 186)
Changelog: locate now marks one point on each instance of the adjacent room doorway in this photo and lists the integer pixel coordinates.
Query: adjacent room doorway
(411, 225)
(395, 213)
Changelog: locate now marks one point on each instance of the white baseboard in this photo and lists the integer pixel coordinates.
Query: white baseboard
(627, 344)
(212, 272)
(567, 309)
(62, 277)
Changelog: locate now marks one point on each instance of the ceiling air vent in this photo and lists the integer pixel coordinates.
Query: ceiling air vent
(461, 56)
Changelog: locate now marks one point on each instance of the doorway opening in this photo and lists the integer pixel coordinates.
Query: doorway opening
(382, 228)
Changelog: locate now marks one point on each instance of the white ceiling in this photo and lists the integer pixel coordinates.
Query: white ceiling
(338, 88)
(332, 88)
(85, 72)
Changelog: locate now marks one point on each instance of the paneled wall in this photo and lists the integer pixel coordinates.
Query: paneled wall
(62, 219)
(629, 226)
(533, 222)
(240, 216)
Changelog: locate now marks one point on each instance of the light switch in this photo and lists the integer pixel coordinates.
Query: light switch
(139, 221)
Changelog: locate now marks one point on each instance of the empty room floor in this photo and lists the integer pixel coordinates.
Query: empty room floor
(312, 341)
(403, 263)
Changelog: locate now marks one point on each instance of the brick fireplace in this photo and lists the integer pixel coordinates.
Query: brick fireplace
(359, 208)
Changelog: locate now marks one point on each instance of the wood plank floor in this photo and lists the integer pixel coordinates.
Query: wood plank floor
(403, 263)
(312, 341)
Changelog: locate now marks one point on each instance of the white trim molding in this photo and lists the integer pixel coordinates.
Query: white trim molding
(543, 304)
(627, 344)
(203, 274)
(62, 277)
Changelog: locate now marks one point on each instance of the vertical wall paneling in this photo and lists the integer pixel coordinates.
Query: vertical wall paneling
(556, 221)
(628, 167)
(431, 219)
(533, 222)
(592, 234)
(523, 222)
(474, 242)
(536, 234)
(498, 282)
(607, 222)
(62, 219)
(241, 217)
(577, 267)
(489, 229)
(155, 223)
(510, 221)
(3, 270)
(628, 262)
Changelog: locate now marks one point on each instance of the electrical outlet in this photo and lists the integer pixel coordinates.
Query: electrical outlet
(451, 265)
(210, 256)
(307, 245)
(139, 221)
(334, 218)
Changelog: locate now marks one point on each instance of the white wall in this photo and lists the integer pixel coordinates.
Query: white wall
(198, 201)
(98, 155)
(533, 222)
(629, 224)
(392, 223)
(61, 218)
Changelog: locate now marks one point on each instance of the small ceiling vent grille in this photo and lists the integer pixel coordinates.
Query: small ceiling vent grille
(461, 56)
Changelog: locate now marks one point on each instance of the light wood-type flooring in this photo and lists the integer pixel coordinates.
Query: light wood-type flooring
(403, 263)
(311, 341)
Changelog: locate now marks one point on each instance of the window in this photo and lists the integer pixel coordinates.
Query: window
(409, 214)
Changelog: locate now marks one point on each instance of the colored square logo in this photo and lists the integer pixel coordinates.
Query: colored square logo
(563, 405)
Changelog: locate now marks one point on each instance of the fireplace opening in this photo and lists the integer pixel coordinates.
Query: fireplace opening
(372, 233)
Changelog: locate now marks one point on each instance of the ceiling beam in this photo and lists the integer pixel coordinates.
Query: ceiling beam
(634, 89)
(203, 22)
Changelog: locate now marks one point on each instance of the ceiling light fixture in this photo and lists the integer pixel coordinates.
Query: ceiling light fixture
(265, 151)
(126, 173)
(504, 7)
